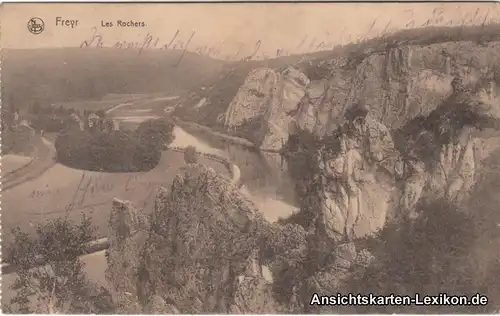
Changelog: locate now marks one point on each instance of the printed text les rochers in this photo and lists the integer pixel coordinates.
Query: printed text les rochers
(123, 23)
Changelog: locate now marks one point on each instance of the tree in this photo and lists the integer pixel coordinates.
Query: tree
(190, 155)
(159, 132)
(430, 255)
(50, 276)
(108, 126)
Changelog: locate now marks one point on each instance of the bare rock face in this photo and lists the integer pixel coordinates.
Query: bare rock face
(358, 179)
(454, 140)
(368, 178)
(202, 254)
(128, 233)
(266, 102)
(397, 84)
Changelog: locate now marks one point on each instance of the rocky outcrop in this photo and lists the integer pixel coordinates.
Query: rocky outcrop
(394, 128)
(205, 250)
(357, 165)
(345, 258)
(267, 102)
(128, 234)
(374, 172)
(397, 85)
(368, 178)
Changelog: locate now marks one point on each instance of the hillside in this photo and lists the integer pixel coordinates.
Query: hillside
(389, 142)
(393, 148)
(350, 65)
(64, 74)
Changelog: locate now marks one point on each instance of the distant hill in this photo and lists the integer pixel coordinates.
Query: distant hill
(64, 74)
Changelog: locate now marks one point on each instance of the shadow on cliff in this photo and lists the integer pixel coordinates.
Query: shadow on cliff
(450, 123)
(449, 249)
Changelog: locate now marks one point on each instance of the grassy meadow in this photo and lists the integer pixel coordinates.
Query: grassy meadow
(62, 191)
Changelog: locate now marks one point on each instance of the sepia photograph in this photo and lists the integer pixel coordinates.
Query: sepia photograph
(250, 158)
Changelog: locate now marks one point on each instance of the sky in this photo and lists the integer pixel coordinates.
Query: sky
(228, 30)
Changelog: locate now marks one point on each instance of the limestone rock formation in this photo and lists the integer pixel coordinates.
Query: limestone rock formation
(395, 126)
(202, 252)
(397, 84)
(358, 181)
(345, 258)
(367, 176)
(266, 103)
(128, 233)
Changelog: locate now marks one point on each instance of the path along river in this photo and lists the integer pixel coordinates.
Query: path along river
(263, 176)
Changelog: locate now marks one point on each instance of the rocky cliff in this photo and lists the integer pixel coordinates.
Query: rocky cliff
(369, 137)
(396, 85)
(205, 249)
(431, 118)
(370, 174)
(266, 103)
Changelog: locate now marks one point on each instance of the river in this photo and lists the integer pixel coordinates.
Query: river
(265, 181)
(264, 175)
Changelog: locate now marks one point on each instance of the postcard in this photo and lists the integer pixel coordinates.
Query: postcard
(250, 158)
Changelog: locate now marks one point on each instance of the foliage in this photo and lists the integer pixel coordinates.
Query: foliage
(429, 256)
(50, 118)
(157, 131)
(114, 151)
(252, 129)
(423, 136)
(190, 155)
(50, 273)
(302, 151)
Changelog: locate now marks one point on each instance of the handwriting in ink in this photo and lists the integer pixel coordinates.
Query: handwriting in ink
(307, 43)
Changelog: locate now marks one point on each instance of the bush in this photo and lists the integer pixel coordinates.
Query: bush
(49, 124)
(434, 254)
(190, 155)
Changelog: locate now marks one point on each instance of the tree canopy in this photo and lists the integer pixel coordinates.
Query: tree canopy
(50, 276)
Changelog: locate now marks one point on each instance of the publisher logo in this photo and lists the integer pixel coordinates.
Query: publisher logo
(36, 26)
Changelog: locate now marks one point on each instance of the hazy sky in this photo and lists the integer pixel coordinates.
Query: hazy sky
(230, 29)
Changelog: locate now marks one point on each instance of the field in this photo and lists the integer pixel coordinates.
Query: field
(13, 162)
(115, 101)
(89, 193)
(62, 191)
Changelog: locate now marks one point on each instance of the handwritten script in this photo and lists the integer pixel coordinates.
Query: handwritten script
(182, 41)
(95, 191)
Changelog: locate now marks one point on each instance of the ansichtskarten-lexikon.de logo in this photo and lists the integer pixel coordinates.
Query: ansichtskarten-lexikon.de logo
(399, 300)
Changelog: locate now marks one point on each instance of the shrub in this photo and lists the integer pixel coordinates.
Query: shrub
(115, 151)
(431, 255)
